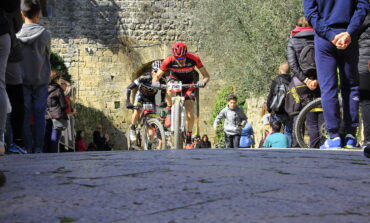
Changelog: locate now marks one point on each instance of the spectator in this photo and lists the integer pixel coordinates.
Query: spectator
(196, 142)
(304, 86)
(35, 46)
(205, 143)
(265, 118)
(67, 140)
(14, 87)
(56, 106)
(5, 44)
(277, 90)
(336, 24)
(247, 137)
(276, 139)
(80, 141)
(234, 122)
(364, 71)
(98, 138)
(107, 144)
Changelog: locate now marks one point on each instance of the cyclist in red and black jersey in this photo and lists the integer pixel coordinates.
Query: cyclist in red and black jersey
(181, 65)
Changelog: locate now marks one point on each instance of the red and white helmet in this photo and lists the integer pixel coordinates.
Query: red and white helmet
(179, 49)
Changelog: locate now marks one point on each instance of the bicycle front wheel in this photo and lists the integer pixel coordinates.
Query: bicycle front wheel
(176, 112)
(309, 128)
(153, 135)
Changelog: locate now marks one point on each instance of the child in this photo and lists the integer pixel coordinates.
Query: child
(276, 139)
(234, 122)
(35, 41)
(80, 141)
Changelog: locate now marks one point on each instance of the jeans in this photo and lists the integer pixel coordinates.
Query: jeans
(4, 53)
(288, 125)
(35, 98)
(232, 141)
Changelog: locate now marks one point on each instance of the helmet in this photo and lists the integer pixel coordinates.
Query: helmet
(156, 65)
(179, 49)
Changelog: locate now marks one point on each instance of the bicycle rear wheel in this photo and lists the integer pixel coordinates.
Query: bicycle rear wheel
(153, 135)
(177, 134)
(302, 130)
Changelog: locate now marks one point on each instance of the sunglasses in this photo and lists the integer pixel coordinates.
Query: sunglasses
(180, 58)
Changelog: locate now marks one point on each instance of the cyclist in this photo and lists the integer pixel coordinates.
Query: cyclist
(145, 94)
(181, 65)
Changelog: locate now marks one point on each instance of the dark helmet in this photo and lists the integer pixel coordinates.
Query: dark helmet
(156, 65)
(179, 49)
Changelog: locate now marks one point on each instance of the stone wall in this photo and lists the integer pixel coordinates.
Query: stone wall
(106, 42)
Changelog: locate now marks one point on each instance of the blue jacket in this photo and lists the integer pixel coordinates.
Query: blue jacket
(331, 17)
(246, 139)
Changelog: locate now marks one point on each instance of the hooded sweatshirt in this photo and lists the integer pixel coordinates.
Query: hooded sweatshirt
(35, 65)
(234, 118)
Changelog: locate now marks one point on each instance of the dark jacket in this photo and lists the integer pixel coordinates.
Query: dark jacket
(56, 103)
(205, 145)
(99, 140)
(364, 57)
(295, 45)
(331, 17)
(8, 6)
(270, 96)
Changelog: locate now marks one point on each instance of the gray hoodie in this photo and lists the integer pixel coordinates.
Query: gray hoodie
(35, 65)
(234, 118)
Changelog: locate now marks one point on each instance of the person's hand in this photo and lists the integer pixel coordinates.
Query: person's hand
(129, 105)
(342, 40)
(312, 84)
(156, 84)
(201, 84)
(163, 104)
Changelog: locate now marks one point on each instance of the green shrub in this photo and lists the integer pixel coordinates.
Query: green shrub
(57, 63)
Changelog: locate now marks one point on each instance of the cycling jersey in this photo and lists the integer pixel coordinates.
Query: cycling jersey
(184, 74)
(145, 93)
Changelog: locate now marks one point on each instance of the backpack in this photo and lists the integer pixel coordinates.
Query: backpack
(306, 58)
(280, 91)
(297, 97)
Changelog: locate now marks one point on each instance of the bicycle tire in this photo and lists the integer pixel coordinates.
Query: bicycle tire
(300, 125)
(176, 112)
(158, 126)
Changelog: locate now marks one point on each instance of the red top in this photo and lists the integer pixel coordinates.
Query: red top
(69, 108)
(300, 29)
(185, 73)
(80, 146)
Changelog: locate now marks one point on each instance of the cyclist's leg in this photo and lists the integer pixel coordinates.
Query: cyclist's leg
(348, 60)
(136, 114)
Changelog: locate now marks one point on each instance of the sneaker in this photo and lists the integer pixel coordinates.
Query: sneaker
(189, 146)
(167, 121)
(16, 149)
(366, 148)
(335, 143)
(350, 142)
(132, 135)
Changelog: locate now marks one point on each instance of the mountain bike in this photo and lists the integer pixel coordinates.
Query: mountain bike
(150, 134)
(178, 117)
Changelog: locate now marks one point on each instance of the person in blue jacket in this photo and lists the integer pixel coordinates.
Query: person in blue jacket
(247, 137)
(336, 23)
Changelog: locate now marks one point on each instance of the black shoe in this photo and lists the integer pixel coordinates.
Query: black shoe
(366, 148)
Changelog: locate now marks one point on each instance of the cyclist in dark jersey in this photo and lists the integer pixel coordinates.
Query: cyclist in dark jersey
(145, 94)
(181, 65)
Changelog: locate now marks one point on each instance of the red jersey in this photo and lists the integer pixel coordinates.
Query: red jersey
(184, 74)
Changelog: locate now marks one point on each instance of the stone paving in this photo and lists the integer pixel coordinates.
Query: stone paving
(175, 186)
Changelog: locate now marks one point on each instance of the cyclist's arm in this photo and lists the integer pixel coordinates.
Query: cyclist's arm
(158, 75)
(204, 73)
(128, 91)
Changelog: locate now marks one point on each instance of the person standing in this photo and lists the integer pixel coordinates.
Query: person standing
(5, 44)
(35, 43)
(336, 23)
(364, 71)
